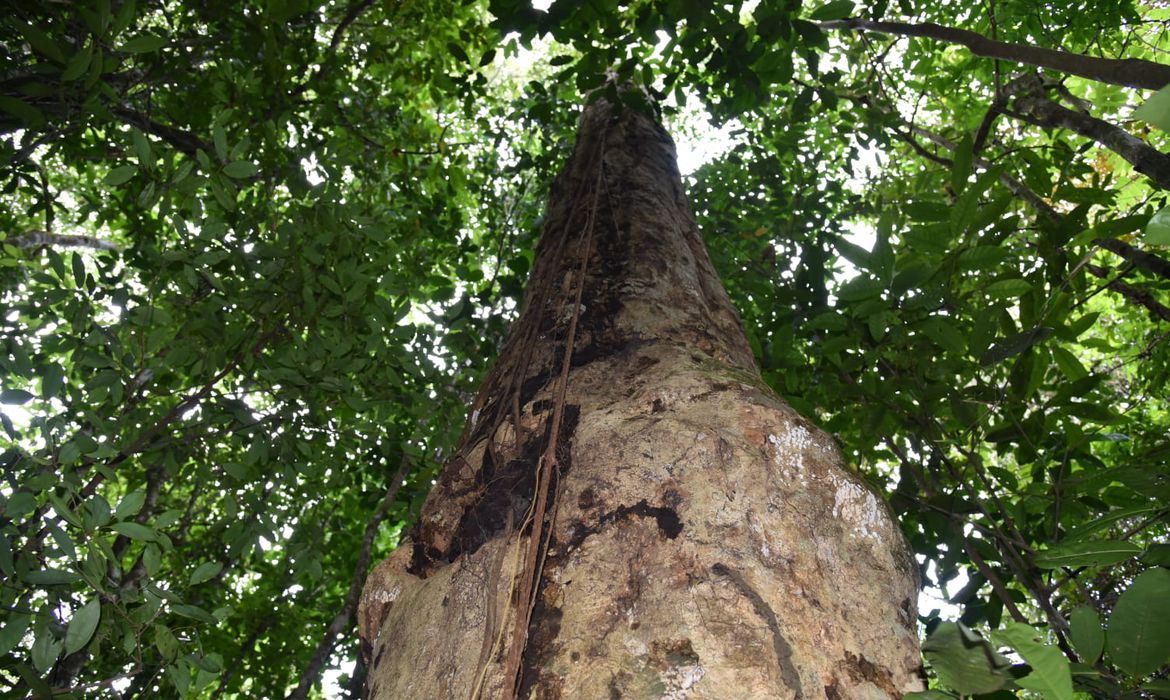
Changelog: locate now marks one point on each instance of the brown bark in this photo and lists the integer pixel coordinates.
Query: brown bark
(1130, 72)
(632, 513)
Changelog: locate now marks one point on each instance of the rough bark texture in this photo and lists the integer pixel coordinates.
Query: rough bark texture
(699, 538)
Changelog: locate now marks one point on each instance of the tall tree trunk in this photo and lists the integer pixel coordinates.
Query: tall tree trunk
(632, 513)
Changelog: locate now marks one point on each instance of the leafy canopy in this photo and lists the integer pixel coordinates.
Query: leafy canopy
(256, 257)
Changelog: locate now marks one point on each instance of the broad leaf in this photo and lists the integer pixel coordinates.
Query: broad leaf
(1094, 553)
(1138, 638)
(1050, 675)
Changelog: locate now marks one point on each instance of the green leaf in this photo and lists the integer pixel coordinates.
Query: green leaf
(194, 612)
(1088, 637)
(51, 577)
(135, 531)
(82, 626)
(41, 43)
(1068, 363)
(1158, 230)
(144, 43)
(121, 174)
(78, 64)
(78, 269)
(961, 167)
(1138, 638)
(1093, 553)
(130, 504)
(1157, 555)
(240, 169)
(860, 288)
(165, 642)
(22, 110)
(964, 661)
(1156, 109)
(205, 572)
(15, 625)
(45, 649)
(837, 9)
(1014, 345)
(1104, 521)
(15, 397)
(944, 334)
(1050, 674)
(1008, 289)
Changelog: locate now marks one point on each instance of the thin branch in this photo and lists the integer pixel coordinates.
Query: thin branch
(184, 141)
(1138, 258)
(36, 239)
(350, 17)
(1136, 295)
(342, 619)
(1129, 72)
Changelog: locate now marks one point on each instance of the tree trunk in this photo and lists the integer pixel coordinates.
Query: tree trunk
(632, 513)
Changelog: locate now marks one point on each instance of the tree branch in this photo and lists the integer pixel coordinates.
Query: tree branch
(1037, 109)
(1138, 258)
(1134, 294)
(342, 619)
(184, 141)
(36, 239)
(1129, 72)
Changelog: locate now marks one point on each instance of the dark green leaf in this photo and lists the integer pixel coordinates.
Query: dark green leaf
(15, 397)
(240, 169)
(1014, 345)
(1093, 553)
(1087, 635)
(964, 661)
(205, 572)
(134, 531)
(144, 43)
(82, 626)
(1138, 638)
(837, 9)
(121, 175)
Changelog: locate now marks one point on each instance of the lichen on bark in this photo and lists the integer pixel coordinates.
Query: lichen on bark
(700, 539)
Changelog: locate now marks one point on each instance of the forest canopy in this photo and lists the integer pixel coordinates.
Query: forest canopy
(258, 256)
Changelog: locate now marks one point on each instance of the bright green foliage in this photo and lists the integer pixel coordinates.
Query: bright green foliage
(308, 223)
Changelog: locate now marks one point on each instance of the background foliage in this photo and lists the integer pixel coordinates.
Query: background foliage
(256, 256)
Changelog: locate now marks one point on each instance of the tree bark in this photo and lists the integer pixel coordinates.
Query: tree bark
(632, 513)
(1128, 72)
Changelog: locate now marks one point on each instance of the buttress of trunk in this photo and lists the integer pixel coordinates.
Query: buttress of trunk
(632, 513)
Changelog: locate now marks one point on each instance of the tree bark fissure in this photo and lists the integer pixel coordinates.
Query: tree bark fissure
(698, 539)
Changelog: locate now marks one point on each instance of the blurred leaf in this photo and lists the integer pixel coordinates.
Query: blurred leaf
(1158, 229)
(144, 43)
(1014, 345)
(1156, 109)
(82, 626)
(240, 169)
(205, 572)
(134, 531)
(1094, 553)
(1088, 637)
